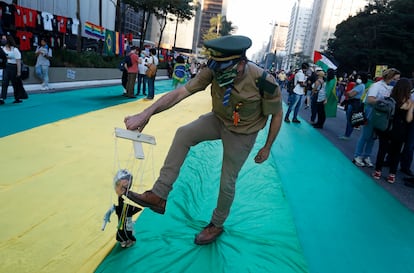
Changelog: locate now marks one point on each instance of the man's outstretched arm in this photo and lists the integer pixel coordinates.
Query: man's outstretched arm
(140, 120)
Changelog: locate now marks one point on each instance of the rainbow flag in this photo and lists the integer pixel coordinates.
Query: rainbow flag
(94, 30)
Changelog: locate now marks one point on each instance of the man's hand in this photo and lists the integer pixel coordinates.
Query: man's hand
(137, 122)
(262, 155)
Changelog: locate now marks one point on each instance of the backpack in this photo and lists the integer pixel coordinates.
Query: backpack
(383, 114)
(128, 61)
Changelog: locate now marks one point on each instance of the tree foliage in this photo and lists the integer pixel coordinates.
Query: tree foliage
(182, 9)
(381, 34)
(219, 26)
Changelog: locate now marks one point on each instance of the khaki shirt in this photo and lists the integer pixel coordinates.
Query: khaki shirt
(254, 109)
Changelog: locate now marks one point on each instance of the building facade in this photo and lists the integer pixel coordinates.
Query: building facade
(312, 24)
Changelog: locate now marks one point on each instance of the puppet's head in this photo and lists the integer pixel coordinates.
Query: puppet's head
(122, 181)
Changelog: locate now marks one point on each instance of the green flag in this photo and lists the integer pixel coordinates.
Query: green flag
(109, 42)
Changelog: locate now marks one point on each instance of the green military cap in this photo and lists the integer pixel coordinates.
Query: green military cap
(228, 47)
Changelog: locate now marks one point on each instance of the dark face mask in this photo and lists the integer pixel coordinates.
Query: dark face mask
(225, 72)
(3, 42)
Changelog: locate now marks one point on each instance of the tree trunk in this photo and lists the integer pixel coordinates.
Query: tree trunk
(79, 38)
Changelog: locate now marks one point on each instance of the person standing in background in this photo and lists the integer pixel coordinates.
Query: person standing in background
(132, 73)
(13, 68)
(151, 81)
(43, 53)
(295, 98)
(378, 90)
(142, 78)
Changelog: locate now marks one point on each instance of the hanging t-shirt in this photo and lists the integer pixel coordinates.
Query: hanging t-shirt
(35, 40)
(62, 21)
(69, 23)
(75, 25)
(47, 21)
(7, 15)
(39, 21)
(24, 37)
(29, 17)
(55, 23)
(19, 16)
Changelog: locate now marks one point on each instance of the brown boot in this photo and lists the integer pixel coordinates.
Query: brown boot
(148, 199)
(208, 235)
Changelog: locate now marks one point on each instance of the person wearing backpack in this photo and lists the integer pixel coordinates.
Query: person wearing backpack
(378, 90)
(392, 139)
(151, 80)
(132, 72)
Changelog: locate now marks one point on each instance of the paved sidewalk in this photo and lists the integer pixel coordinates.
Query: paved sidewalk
(70, 85)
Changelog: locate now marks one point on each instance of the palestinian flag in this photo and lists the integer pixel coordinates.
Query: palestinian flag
(322, 61)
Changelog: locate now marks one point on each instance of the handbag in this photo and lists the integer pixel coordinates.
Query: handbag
(358, 117)
(24, 72)
(151, 71)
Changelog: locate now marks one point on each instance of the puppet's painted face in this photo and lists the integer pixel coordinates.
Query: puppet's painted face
(121, 186)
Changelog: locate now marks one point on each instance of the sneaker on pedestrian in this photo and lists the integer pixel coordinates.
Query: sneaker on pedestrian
(368, 162)
(295, 120)
(287, 119)
(391, 178)
(376, 175)
(358, 161)
(343, 137)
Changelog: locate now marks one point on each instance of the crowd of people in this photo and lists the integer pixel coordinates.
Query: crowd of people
(136, 65)
(358, 92)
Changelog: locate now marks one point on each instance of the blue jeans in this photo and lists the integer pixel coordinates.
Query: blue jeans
(142, 80)
(294, 103)
(42, 71)
(151, 87)
(349, 128)
(366, 140)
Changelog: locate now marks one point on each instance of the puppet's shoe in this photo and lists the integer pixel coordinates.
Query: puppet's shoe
(208, 235)
(148, 199)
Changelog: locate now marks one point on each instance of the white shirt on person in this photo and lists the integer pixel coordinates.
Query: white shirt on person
(379, 90)
(142, 68)
(153, 60)
(44, 54)
(299, 77)
(12, 55)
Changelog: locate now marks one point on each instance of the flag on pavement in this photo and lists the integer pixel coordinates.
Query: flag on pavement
(322, 61)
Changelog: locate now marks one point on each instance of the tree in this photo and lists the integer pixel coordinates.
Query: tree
(147, 7)
(379, 34)
(219, 26)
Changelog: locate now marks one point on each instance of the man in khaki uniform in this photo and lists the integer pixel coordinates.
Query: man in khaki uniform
(243, 98)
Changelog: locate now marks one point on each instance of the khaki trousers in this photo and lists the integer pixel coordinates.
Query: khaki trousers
(236, 148)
